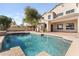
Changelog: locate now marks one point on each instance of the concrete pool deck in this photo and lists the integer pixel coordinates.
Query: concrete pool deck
(15, 51)
(74, 37)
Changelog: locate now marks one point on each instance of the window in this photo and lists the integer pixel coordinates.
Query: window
(77, 4)
(70, 11)
(62, 5)
(42, 17)
(59, 14)
(54, 15)
(59, 26)
(49, 16)
(70, 26)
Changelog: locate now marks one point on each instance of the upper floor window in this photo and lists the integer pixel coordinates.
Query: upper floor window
(42, 17)
(49, 16)
(59, 14)
(77, 4)
(62, 5)
(70, 11)
(54, 15)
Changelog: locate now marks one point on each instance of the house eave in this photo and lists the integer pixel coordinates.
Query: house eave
(65, 18)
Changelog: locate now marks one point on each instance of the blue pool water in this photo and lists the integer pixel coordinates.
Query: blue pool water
(33, 44)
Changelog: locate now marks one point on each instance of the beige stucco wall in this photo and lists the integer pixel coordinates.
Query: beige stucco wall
(48, 26)
(78, 25)
(46, 16)
(64, 7)
(67, 17)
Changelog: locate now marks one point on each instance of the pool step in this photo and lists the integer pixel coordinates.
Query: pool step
(44, 53)
(15, 51)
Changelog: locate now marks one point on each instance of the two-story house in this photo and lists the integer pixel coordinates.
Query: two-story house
(64, 17)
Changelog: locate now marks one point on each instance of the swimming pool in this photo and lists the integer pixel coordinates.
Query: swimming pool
(33, 44)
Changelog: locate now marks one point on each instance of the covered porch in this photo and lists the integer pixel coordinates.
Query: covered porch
(64, 24)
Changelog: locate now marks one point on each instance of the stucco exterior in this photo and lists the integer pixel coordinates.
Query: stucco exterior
(64, 13)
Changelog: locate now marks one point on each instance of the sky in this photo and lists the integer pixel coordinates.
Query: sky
(16, 10)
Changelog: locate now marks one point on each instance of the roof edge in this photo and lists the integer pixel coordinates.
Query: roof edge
(52, 8)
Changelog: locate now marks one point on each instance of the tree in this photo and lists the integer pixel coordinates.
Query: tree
(5, 22)
(31, 16)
